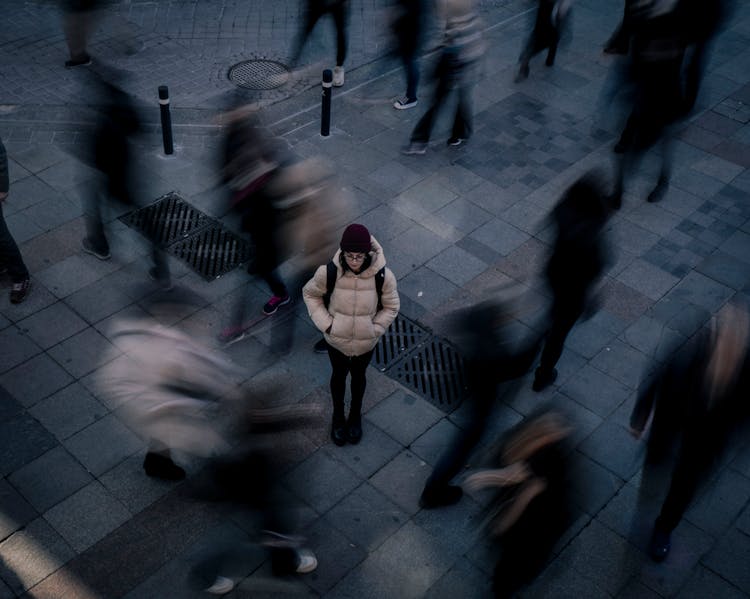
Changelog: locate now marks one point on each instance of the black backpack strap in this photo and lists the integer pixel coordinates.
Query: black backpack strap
(331, 272)
(379, 280)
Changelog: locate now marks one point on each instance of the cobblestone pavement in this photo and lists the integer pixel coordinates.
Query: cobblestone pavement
(78, 518)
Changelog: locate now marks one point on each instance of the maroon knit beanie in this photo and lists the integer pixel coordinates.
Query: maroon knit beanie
(356, 238)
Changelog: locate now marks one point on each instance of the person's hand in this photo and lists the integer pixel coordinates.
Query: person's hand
(328, 330)
(3, 195)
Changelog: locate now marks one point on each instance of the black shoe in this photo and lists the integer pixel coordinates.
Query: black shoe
(161, 466)
(658, 192)
(354, 430)
(660, 544)
(321, 346)
(19, 291)
(542, 379)
(457, 141)
(523, 73)
(89, 247)
(338, 432)
(616, 49)
(83, 61)
(163, 280)
(440, 496)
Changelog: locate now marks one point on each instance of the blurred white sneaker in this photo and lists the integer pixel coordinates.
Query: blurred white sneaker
(221, 586)
(338, 76)
(306, 561)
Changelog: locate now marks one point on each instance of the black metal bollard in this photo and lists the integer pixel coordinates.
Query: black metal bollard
(166, 119)
(325, 117)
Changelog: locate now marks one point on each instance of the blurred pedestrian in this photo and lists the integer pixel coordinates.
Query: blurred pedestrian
(288, 206)
(186, 397)
(619, 41)
(550, 19)
(656, 57)
(578, 258)
(78, 21)
(490, 359)
(339, 11)
(408, 23)
(11, 260)
(110, 152)
(531, 507)
(696, 401)
(358, 311)
(456, 70)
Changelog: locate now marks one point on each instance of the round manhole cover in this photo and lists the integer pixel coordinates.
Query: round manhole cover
(259, 74)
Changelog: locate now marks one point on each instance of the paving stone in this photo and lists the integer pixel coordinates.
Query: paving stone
(738, 245)
(596, 390)
(588, 338)
(25, 384)
(500, 236)
(15, 348)
(367, 457)
(704, 582)
(559, 580)
(52, 325)
(127, 483)
(402, 480)
(701, 291)
(652, 338)
(98, 300)
(594, 486)
(24, 440)
(622, 301)
(67, 411)
(394, 176)
(457, 265)
(462, 580)
(720, 504)
(623, 363)
(73, 273)
(321, 481)
(649, 280)
(612, 446)
(83, 352)
(404, 416)
(15, 511)
(103, 444)
(459, 524)
(22, 564)
(341, 555)
(431, 445)
(49, 479)
(367, 517)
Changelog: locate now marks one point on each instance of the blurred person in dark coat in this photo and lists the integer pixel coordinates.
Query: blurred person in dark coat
(110, 152)
(695, 401)
(491, 358)
(579, 256)
(408, 23)
(550, 19)
(78, 21)
(11, 260)
(530, 473)
(339, 11)
(655, 71)
(457, 70)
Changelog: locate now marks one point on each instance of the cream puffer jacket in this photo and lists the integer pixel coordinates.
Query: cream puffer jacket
(353, 315)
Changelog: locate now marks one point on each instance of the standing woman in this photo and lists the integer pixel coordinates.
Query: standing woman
(353, 309)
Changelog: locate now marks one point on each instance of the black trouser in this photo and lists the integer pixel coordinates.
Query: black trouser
(565, 313)
(10, 255)
(343, 365)
(462, 119)
(315, 10)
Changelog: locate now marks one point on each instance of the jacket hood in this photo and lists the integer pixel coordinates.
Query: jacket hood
(378, 259)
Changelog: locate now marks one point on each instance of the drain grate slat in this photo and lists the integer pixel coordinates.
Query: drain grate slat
(402, 336)
(190, 235)
(435, 370)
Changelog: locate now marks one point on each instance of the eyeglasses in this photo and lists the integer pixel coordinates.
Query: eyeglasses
(354, 257)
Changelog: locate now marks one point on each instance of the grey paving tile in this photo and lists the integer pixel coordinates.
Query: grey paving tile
(321, 481)
(35, 379)
(738, 245)
(622, 301)
(127, 483)
(73, 273)
(623, 363)
(402, 480)
(679, 315)
(500, 236)
(369, 455)
(426, 287)
(83, 352)
(651, 281)
(98, 300)
(9, 407)
(560, 580)
(341, 554)
(66, 174)
(49, 478)
(612, 446)
(38, 157)
(594, 485)
(429, 194)
(701, 291)
(458, 524)
(406, 565)
(596, 390)
(721, 503)
(704, 582)
(457, 265)
(652, 338)
(588, 338)
(15, 348)
(394, 176)
(52, 325)
(24, 439)
(434, 442)
(67, 411)
(404, 416)
(103, 444)
(22, 565)
(462, 580)
(15, 511)
(87, 516)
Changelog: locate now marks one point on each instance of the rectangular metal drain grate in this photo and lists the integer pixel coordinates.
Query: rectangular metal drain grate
(190, 235)
(402, 336)
(212, 252)
(436, 371)
(166, 220)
